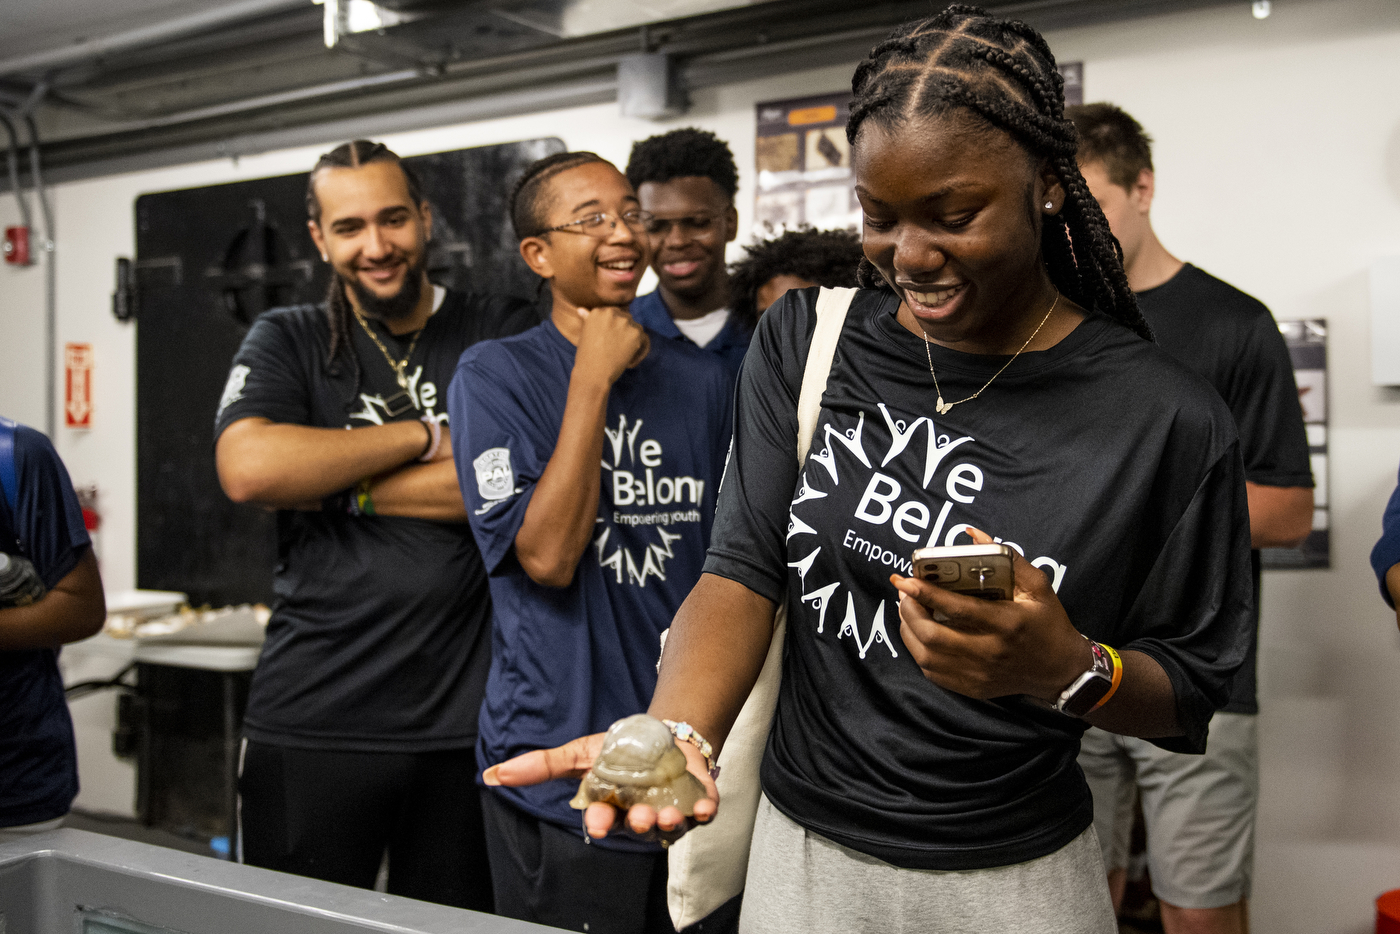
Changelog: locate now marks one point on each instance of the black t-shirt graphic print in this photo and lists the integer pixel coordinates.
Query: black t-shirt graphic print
(380, 637)
(1110, 467)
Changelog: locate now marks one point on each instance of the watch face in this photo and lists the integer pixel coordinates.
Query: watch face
(1089, 691)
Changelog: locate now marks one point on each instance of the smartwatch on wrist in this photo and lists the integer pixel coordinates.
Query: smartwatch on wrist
(1086, 691)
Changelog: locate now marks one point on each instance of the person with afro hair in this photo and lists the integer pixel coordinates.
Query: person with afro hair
(686, 180)
(796, 259)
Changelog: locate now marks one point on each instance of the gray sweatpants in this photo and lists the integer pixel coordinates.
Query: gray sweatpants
(803, 883)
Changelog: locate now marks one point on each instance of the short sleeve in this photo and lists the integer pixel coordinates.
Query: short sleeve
(1263, 400)
(748, 543)
(1194, 608)
(48, 519)
(499, 446)
(1386, 554)
(266, 379)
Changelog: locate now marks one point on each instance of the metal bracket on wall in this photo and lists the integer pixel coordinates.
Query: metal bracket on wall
(124, 298)
(132, 277)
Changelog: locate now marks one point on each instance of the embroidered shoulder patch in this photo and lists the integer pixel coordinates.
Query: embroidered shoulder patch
(494, 478)
(233, 389)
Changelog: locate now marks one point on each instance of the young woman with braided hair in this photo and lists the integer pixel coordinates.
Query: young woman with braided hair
(994, 378)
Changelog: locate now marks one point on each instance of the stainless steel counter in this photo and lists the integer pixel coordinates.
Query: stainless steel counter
(71, 881)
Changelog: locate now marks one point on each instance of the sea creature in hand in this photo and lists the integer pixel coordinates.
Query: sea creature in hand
(639, 764)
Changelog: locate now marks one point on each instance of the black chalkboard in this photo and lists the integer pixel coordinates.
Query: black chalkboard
(209, 261)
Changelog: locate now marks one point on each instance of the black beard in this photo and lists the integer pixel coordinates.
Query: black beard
(397, 306)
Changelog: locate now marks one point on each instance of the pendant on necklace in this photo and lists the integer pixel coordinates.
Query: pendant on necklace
(943, 407)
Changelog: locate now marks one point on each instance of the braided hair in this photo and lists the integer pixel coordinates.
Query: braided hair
(1003, 72)
(350, 155)
(528, 199)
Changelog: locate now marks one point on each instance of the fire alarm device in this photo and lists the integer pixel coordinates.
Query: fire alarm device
(17, 246)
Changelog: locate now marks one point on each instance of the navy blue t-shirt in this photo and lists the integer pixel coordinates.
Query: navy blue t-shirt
(1386, 554)
(38, 761)
(569, 661)
(730, 344)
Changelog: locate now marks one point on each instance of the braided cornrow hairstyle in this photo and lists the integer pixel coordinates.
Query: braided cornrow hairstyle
(1004, 72)
(350, 155)
(528, 202)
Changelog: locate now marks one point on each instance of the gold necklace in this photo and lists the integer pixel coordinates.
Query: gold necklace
(942, 406)
(398, 366)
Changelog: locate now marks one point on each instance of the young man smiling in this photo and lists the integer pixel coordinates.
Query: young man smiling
(685, 182)
(590, 451)
(1199, 810)
(361, 723)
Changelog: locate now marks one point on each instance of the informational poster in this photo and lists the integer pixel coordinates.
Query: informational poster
(804, 161)
(804, 166)
(1307, 344)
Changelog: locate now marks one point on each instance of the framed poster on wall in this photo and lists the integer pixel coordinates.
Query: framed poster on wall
(1307, 345)
(804, 166)
(803, 161)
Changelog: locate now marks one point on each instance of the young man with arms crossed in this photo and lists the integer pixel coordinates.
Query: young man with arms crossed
(686, 180)
(361, 723)
(1199, 809)
(589, 451)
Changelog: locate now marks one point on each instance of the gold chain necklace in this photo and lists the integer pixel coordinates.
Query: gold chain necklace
(942, 406)
(398, 366)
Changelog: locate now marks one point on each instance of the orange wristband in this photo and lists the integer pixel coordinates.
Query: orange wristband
(1117, 676)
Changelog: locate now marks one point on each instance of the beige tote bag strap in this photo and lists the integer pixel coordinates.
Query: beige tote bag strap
(832, 305)
(708, 865)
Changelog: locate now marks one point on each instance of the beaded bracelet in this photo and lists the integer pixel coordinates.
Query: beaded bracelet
(686, 733)
(364, 505)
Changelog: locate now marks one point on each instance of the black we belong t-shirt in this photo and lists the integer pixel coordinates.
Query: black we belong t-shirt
(1231, 339)
(1113, 469)
(380, 638)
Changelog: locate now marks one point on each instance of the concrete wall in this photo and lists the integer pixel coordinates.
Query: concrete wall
(1278, 169)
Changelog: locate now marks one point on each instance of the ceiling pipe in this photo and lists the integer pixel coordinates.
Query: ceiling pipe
(89, 49)
(12, 162)
(348, 86)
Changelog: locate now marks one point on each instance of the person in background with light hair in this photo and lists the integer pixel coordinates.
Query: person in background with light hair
(1199, 810)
